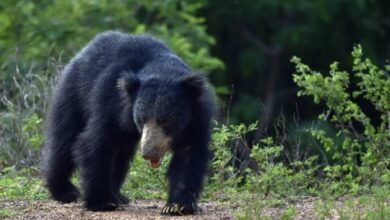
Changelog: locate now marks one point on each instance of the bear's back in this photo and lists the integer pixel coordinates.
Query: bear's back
(110, 50)
(117, 48)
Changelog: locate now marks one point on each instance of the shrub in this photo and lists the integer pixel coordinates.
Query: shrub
(364, 153)
(33, 31)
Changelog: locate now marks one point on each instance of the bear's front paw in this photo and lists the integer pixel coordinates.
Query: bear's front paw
(70, 196)
(122, 199)
(66, 196)
(106, 206)
(179, 209)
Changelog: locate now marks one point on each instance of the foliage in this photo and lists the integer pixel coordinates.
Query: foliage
(21, 119)
(269, 184)
(21, 184)
(275, 184)
(363, 156)
(224, 173)
(144, 182)
(6, 212)
(33, 31)
(257, 38)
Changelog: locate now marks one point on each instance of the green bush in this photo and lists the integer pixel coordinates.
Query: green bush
(363, 157)
(269, 182)
(33, 31)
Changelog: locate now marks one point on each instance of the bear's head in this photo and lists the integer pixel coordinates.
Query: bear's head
(162, 110)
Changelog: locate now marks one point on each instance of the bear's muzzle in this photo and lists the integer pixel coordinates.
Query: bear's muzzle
(154, 143)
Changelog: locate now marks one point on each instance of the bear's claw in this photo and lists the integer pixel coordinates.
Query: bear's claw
(178, 209)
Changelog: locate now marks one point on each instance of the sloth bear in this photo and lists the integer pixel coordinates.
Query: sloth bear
(119, 90)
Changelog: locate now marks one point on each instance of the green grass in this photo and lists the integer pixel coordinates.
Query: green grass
(6, 213)
(22, 188)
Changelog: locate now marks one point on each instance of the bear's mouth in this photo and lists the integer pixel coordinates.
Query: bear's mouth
(154, 163)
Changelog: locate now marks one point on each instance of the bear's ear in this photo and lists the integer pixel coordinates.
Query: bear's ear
(128, 82)
(194, 83)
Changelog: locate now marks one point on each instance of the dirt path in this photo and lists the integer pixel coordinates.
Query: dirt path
(139, 209)
(303, 208)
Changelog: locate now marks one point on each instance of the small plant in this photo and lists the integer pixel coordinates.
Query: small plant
(224, 172)
(144, 182)
(6, 213)
(287, 214)
(21, 184)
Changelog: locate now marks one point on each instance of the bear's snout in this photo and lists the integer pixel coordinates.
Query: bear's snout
(154, 142)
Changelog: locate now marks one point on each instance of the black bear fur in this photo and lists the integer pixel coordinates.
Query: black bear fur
(103, 97)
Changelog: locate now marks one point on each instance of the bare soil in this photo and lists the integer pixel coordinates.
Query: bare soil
(305, 208)
(138, 209)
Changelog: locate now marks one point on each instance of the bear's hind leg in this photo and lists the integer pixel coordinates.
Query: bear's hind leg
(58, 178)
(64, 125)
(124, 155)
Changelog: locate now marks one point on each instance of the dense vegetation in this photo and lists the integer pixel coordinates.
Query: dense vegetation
(342, 153)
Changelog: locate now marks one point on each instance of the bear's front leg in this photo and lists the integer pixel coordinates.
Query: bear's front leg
(185, 175)
(95, 155)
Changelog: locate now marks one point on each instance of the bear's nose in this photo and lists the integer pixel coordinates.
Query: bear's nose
(150, 153)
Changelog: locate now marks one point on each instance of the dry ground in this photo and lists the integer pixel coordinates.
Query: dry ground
(138, 209)
(150, 209)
